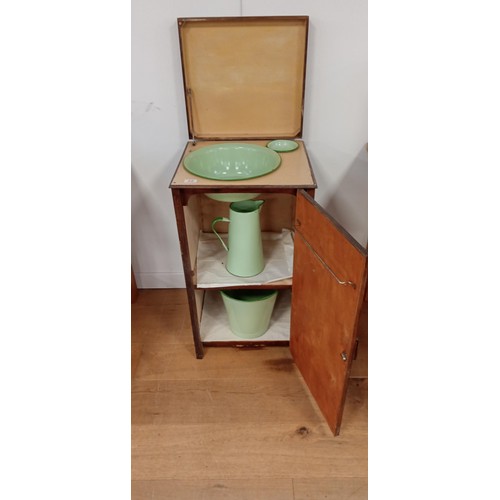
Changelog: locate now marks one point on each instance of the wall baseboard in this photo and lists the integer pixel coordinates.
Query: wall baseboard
(160, 280)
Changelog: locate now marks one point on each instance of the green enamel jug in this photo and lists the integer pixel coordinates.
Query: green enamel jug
(244, 249)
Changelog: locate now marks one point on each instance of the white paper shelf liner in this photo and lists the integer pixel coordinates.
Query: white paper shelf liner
(214, 326)
(211, 261)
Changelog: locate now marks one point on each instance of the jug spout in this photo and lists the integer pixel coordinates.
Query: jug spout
(246, 206)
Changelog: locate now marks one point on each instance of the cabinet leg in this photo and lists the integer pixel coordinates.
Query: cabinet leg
(195, 324)
(188, 276)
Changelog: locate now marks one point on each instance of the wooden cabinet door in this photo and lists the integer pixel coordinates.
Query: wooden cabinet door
(329, 279)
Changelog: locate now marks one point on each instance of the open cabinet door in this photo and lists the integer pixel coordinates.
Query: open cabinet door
(329, 279)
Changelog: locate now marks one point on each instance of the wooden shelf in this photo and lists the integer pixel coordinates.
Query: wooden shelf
(275, 285)
(278, 255)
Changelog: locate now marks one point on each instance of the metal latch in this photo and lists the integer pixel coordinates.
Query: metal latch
(326, 266)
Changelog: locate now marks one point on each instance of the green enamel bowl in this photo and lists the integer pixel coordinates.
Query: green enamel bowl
(232, 161)
(231, 197)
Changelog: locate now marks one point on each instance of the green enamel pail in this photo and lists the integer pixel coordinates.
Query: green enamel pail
(249, 311)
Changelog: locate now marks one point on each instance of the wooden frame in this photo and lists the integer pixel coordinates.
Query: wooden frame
(189, 218)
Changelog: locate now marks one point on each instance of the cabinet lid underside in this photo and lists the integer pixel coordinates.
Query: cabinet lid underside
(244, 77)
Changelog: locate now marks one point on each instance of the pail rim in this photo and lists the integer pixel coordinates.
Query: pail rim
(252, 295)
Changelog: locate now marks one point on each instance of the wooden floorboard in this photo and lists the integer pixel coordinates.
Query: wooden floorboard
(214, 489)
(237, 424)
(351, 488)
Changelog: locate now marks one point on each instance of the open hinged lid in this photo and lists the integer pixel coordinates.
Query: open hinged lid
(244, 76)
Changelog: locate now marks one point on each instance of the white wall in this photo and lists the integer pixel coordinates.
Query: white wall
(335, 121)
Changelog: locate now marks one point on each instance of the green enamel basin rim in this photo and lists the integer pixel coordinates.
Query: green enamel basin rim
(232, 161)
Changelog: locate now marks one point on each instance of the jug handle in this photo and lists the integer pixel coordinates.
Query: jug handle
(220, 219)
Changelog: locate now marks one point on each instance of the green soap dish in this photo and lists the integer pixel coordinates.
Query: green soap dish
(282, 145)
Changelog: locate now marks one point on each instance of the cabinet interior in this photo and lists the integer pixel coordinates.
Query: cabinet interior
(277, 213)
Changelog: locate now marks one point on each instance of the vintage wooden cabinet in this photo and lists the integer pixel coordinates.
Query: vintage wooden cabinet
(244, 81)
